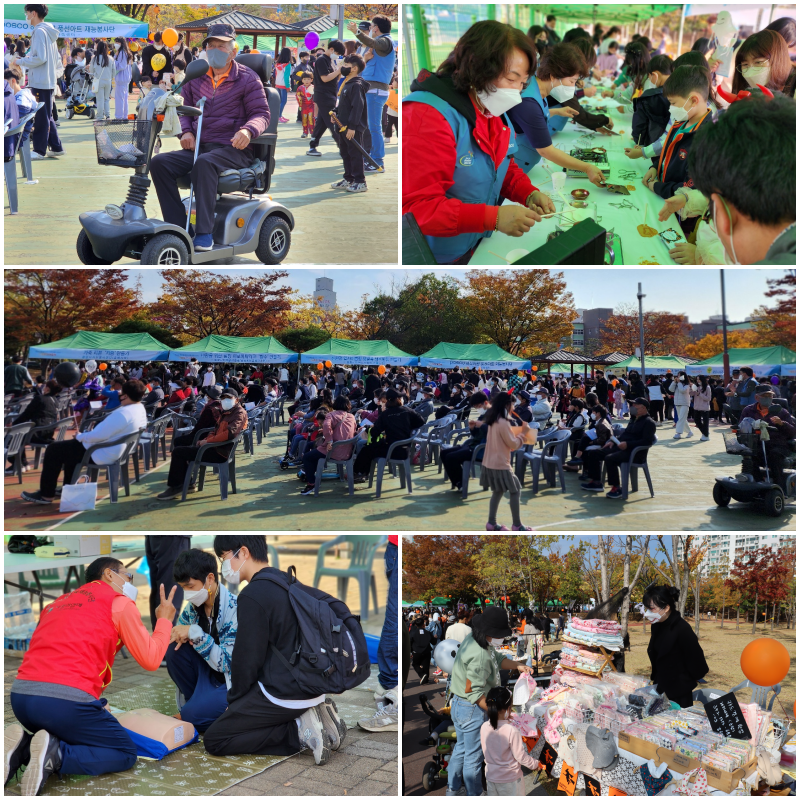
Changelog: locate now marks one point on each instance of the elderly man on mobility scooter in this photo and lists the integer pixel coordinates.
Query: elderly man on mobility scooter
(235, 112)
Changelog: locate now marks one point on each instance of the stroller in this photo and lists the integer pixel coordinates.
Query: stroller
(81, 99)
(444, 741)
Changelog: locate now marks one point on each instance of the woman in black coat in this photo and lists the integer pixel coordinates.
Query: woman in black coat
(677, 660)
(41, 411)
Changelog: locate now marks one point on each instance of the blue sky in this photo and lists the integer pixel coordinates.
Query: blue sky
(695, 292)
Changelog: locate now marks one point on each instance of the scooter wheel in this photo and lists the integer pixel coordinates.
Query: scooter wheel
(69, 113)
(773, 502)
(85, 252)
(721, 495)
(429, 776)
(165, 248)
(274, 240)
(284, 465)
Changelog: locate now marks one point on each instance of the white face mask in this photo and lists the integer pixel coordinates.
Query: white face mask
(495, 642)
(755, 76)
(196, 598)
(128, 589)
(117, 45)
(227, 403)
(725, 249)
(80, 61)
(228, 573)
(562, 93)
(679, 113)
(158, 46)
(651, 616)
(499, 101)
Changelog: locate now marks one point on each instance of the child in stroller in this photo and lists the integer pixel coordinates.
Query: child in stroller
(80, 98)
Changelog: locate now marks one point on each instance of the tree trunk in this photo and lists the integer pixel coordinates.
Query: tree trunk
(737, 618)
(755, 614)
(772, 619)
(603, 552)
(697, 603)
(722, 621)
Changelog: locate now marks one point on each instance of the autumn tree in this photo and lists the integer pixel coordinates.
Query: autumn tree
(754, 574)
(369, 10)
(440, 565)
(664, 333)
(43, 305)
(683, 556)
(132, 10)
(720, 594)
(777, 325)
(711, 344)
(522, 311)
(302, 339)
(197, 303)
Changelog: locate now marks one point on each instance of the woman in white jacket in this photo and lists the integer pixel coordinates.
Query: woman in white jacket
(682, 390)
(103, 69)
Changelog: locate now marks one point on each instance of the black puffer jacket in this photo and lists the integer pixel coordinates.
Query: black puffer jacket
(677, 659)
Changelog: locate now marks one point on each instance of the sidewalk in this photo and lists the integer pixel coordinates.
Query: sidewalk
(331, 226)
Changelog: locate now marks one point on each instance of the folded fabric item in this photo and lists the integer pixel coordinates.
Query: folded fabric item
(599, 625)
(524, 723)
(655, 779)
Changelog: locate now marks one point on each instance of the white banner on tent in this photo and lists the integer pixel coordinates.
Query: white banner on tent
(104, 355)
(341, 358)
(759, 370)
(235, 358)
(76, 30)
(453, 363)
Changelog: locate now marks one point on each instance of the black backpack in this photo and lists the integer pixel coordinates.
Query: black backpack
(330, 654)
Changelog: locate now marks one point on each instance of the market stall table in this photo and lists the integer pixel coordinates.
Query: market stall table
(618, 213)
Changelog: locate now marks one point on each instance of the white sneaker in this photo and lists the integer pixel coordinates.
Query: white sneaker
(56, 153)
(342, 184)
(676, 436)
(313, 736)
(387, 139)
(689, 435)
(36, 157)
(704, 438)
(334, 725)
(385, 718)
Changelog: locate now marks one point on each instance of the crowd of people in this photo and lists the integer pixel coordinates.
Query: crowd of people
(369, 409)
(498, 102)
(355, 80)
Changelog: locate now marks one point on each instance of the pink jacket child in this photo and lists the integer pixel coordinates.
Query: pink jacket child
(337, 427)
(504, 751)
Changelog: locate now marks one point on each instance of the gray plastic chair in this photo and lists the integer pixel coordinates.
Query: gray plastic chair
(226, 469)
(155, 432)
(468, 469)
(706, 694)
(59, 430)
(550, 459)
(403, 464)
(10, 167)
(117, 471)
(629, 471)
(342, 466)
(14, 444)
(362, 554)
(760, 694)
(431, 440)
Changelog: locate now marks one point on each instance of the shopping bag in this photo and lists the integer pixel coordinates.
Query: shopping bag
(78, 496)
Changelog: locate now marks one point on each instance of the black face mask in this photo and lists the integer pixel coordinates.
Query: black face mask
(345, 71)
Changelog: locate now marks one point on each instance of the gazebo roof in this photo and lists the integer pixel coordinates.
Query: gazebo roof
(611, 358)
(568, 357)
(251, 24)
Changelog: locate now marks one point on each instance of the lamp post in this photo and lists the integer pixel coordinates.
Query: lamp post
(726, 364)
(641, 297)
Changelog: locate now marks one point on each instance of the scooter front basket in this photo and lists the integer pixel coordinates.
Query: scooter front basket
(123, 142)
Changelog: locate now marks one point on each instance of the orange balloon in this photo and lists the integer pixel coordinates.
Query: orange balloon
(170, 37)
(320, 365)
(104, 365)
(534, 369)
(381, 370)
(765, 662)
(328, 364)
(150, 37)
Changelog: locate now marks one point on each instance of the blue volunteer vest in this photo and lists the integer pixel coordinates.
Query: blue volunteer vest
(475, 179)
(527, 157)
(380, 68)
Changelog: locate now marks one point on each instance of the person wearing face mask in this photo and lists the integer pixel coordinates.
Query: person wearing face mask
(268, 712)
(235, 113)
(327, 70)
(229, 421)
(651, 109)
(151, 76)
(421, 649)
(538, 35)
(681, 389)
(122, 78)
(201, 644)
(453, 458)
(763, 60)
(598, 433)
(476, 671)
(676, 657)
(65, 727)
(463, 148)
(352, 112)
(559, 69)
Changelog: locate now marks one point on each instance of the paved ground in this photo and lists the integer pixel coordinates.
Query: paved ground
(683, 475)
(365, 766)
(332, 227)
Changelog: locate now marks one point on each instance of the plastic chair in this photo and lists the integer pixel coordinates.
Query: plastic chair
(10, 167)
(155, 432)
(227, 469)
(345, 465)
(114, 470)
(629, 470)
(706, 694)
(431, 440)
(552, 455)
(181, 425)
(362, 554)
(93, 418)
(25, 156)
(468, 469)
(59, 430)
(14, 444)
(404, 464)
(760, 694)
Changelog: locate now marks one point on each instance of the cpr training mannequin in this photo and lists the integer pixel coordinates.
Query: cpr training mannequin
(65, 726)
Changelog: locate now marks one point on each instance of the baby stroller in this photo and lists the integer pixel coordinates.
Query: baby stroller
(441, 736)
(81, 99)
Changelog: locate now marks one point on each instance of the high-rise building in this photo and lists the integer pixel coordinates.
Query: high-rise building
(724, 548)
(324, 296)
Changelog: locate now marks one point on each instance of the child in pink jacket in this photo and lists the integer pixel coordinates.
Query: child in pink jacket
(503, 748)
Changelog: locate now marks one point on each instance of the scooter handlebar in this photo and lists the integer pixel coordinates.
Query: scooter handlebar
(189, 111)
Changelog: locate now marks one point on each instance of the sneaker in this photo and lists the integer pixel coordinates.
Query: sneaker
(676, 436)
(36, 157)
(334, 725)
(203, 242)
(387, 140)
(58, 124)
(56, 153)
(342, 184)
(374, 169)
(307, 490)
(44, 761)
(304, 136)
(384, 719)
(423, 680)
(357, 187)
(490, 527)
(615, 493)
(313, 736)
(704, 438)
(520, 528)
(35, 497)
(592, 486)
(689, 435)
(312, 151)
(282, 119)
(17, 750)
(169, 494)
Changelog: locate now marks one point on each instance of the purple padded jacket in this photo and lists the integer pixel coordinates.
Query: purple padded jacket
(238, 102)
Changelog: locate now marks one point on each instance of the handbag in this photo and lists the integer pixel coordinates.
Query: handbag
(78, 496)
(700, 786)
(654, 784)
(95, 85)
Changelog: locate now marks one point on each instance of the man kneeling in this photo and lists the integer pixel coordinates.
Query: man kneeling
(201, 646)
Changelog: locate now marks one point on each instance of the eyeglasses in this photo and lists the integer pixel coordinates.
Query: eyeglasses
(124, 574)
(756, 64)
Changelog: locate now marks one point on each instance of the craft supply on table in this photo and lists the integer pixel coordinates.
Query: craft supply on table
(646, 231)
(598, 156)
(617, 188)
(625, 204)
(628, 174)
(579, 194)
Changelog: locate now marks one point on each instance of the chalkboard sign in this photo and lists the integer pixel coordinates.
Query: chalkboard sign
(726, 717)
